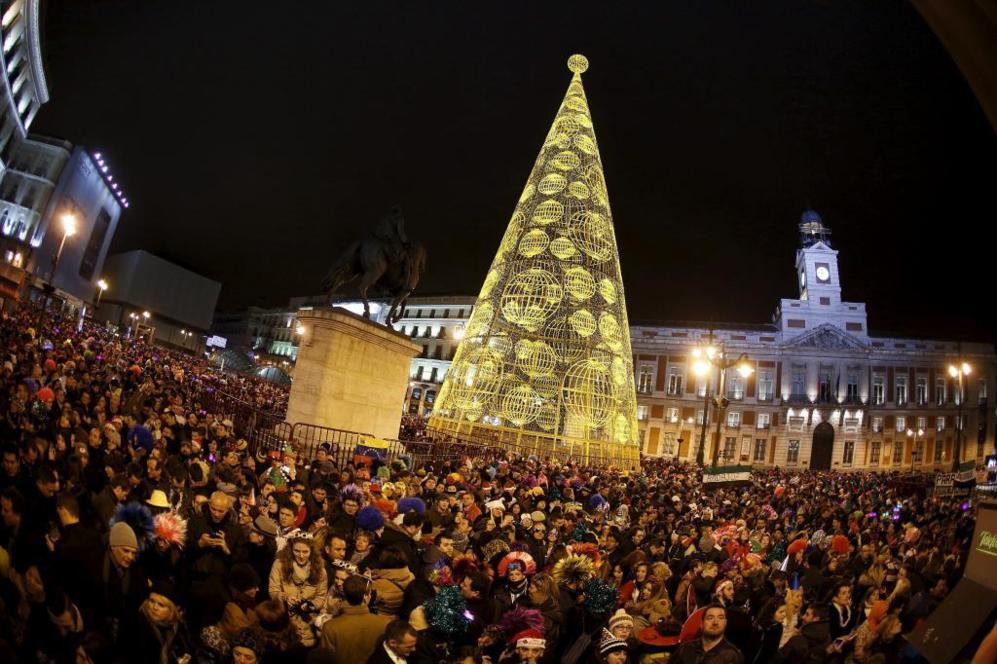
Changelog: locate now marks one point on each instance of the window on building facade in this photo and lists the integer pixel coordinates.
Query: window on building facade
(875, 448)
(645, 379)
(849, 453)
(674, 383)
(901, 424)
(415, 331)
(940, 391)
(981, 391)
(795, 422)
(699, 416)
(416, 392)
(938, 451)
(919, 452)
(669, 443)
(733, 419)
(701, 383)
(735, 388)
(940, 423)
(898, 452)
(799, 383)
(672, 415)
(877, 424)
(430, 397)
(763, 420)
(921, 390)
(765, 386)
(901, 390)
(852, 388)
(922, 422)
(979, 449)
(642, 413)
(760, 450)
(446, 313)
(824, 388)
(432, 374)
(960, 422)
(878, 391)
(730, 448)
(418, 373)
(793, 452)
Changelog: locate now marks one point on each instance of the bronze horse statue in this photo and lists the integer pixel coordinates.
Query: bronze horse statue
(384, 260)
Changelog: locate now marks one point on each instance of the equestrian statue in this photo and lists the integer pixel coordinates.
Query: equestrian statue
(385, 260)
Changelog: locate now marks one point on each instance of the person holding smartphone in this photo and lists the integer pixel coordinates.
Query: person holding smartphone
(811, 642)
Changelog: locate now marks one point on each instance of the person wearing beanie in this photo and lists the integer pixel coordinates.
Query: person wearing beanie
(247, 647)
(611, 649)
(119, 579)
(621, 625)
(402, 536)
(160, 633)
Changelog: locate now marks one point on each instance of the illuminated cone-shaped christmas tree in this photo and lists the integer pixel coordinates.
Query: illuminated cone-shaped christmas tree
(545, 363)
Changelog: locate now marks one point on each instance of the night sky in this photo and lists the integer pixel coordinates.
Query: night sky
(255, 140)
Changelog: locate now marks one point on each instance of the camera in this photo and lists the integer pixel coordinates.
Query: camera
(304, 610)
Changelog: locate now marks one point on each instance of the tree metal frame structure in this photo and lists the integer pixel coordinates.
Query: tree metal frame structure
(545, 365)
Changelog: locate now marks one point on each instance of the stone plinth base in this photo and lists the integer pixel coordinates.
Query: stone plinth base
(351, 373)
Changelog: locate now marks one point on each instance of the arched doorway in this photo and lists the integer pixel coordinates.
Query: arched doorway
(823, 446)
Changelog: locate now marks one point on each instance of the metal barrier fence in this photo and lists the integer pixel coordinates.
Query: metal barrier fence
(268, 431)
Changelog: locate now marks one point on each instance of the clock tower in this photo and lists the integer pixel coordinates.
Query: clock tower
(819, 303)
(817, 262)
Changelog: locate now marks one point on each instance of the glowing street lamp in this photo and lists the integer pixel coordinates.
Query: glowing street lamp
(959, 371)
(68, 230)
(101, 287)
(704, 359)
(914, 456)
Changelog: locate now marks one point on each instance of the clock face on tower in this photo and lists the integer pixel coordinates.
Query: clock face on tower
(823, 274)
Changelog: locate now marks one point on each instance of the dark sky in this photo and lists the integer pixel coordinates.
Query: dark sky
(255, 140)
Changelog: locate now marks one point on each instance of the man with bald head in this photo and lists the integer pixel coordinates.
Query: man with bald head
(215, 539)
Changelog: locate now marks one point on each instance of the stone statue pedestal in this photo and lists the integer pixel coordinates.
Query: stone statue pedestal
(351, 373)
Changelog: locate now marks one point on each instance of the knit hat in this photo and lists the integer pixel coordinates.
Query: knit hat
(165, 588)
(619, 619)
(123, 535)
(609, 644)
(242, 577)
(529, 638)
(248, 638)
(370, 518)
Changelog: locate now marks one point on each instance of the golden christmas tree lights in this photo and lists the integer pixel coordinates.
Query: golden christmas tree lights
(545, 365)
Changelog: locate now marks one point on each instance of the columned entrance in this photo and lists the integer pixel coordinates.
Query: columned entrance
(823, 446)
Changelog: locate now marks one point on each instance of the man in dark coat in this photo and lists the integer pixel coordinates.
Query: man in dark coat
(77, 548)
(215, 540)
(810, 644)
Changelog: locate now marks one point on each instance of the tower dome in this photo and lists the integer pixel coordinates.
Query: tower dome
(810, 216)
(812, 229)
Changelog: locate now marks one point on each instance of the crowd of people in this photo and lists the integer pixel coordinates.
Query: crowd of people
(138, 526)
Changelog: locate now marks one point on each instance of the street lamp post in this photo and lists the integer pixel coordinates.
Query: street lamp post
(68, 230)
(914, 453)
(704, 359)
(959, 372)
(101, 287)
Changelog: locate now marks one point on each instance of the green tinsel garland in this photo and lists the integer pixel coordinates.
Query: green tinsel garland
(445, 611)
(600, 597)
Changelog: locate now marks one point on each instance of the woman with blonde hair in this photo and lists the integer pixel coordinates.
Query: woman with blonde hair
(160, 634)
(298, 578)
